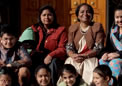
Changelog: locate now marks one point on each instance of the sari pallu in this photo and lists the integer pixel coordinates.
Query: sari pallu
(116, 41)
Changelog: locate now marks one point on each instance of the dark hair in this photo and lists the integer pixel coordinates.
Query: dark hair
(9, 29)
(6, 71)
(79, 6)
(41, 67)
(119, 7)
(103, 71)
(51, 9)
(69, 68)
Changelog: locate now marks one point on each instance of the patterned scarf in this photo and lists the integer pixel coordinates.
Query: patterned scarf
(116, 42)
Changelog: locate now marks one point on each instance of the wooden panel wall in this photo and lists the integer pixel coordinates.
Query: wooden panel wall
(29, 11)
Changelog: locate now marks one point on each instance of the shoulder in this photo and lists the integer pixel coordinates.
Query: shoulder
(74, 27)
(27, 34)
(96, 26)
(61, 28)
(35, 28)
(62, 84)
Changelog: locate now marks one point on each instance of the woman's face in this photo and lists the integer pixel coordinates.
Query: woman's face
(98, 80)
(5, 80)
(84, 14)
(118, 18)
(46, 17)
(69, 78)
(43, 77)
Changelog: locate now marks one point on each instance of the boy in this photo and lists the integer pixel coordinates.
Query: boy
(12, 54)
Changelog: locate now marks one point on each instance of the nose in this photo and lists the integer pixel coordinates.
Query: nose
(8, 41)
(43, 77)
(85, 13)
(46, 16)
(120, 19)
(68, 80)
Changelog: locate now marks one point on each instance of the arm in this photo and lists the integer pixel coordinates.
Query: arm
(60, 52)
(24, 58)
(70, 48)
(98, 44)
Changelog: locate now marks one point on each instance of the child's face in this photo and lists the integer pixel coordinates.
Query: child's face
(8, 41)
(43, 77)
(118, 18)
(69, 78)
(5, 80)
(98, 80)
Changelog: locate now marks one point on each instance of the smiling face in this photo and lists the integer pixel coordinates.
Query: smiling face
(43, 77)
(118, 18)
(8, 41)
(84, 14)
(99, 81)
(69, 78)
(5, 80)
(46, 17)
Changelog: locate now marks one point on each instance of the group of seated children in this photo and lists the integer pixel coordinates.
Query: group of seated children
(69, 76)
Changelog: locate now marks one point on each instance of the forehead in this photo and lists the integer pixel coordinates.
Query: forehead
(66, 73)
(118, 12)
(46, 11)
(42, 71)
(5, 76)
(96, 74)
(84, 7)
(6, 35)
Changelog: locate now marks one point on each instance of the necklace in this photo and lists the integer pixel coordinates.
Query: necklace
(83, 31)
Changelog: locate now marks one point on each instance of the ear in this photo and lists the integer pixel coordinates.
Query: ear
(107, 78)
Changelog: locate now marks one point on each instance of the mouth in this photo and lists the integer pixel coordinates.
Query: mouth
(97, 84)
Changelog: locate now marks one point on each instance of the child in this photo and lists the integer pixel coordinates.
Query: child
(101, 76)
(43, 76)
(5, 77)
(70, 77)
(12, 54)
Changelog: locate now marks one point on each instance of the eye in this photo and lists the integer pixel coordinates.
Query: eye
(64, 77)
(40, 76)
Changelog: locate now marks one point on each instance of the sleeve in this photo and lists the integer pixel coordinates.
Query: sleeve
(24, 58)
(99, 41)
(60, 52)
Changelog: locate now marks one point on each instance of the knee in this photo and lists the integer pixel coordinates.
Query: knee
(114, 62)
(23, 72)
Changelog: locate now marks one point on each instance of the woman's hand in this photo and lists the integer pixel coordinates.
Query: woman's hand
(105, 56)
(77, 58)
(48, 59)
(113, 55)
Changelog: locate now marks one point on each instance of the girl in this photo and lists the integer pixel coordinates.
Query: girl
(112, 53)
(101, 76)
(5, 77)
(70, 77)
(43, 76)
